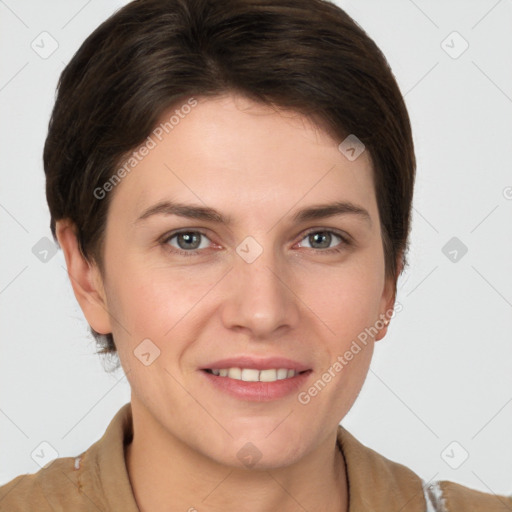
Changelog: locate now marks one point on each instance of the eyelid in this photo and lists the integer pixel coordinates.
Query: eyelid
(345, 236)
(164, 240)
(342, 234)
(346, 239)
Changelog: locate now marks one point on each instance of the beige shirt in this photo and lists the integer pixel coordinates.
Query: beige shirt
(97, 481)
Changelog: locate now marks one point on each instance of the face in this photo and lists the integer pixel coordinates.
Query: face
(185, 290)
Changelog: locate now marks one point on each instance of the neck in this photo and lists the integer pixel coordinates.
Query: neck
(167, 475)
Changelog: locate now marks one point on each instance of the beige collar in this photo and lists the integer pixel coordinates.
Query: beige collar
(375, 483)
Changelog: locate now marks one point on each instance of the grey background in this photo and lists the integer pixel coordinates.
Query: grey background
(443, 372)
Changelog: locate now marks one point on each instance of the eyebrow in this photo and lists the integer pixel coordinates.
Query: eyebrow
(315, 212)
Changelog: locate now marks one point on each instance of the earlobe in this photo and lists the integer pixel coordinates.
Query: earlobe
(382, 332)
(385, 318)
(388, 301)
(85, 279)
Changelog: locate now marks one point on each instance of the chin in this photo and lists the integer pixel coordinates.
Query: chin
(260, 446)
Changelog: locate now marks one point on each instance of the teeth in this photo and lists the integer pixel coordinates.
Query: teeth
(253, 375)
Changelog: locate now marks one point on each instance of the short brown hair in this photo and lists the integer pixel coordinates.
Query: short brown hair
(306, 55)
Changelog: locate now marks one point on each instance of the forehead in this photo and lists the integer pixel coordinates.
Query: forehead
(233, 154)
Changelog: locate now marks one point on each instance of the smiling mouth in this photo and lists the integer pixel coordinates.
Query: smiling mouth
(254, 375)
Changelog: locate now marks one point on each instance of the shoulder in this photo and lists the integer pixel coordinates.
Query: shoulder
(96, 479)
(378, 483)
(53, 485)
(446, 496)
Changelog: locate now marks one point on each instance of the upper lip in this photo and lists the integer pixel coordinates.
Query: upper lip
(256, 363)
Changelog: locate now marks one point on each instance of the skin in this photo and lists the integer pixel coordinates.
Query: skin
(259, 166)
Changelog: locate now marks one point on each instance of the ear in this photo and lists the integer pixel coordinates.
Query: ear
(388, 300)
(85, 279)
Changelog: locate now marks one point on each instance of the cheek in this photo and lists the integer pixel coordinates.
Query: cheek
(346, 298)
(148, 301)
(349, 306)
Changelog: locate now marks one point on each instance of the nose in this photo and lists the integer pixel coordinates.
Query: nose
(259, 296)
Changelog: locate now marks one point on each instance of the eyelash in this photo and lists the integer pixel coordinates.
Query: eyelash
(337, 249)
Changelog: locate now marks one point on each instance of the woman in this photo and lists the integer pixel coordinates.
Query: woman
(231, 185)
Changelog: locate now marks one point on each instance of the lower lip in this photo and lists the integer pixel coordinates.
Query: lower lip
(258, 391)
